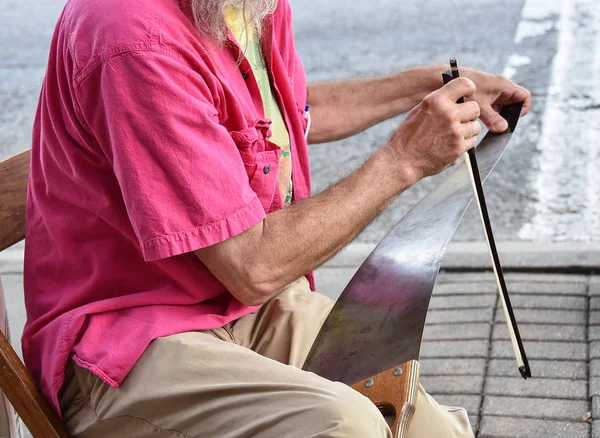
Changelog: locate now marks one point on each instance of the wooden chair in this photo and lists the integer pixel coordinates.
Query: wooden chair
(15, 381)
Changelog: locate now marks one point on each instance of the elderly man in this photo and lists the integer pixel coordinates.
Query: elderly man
(170, 230)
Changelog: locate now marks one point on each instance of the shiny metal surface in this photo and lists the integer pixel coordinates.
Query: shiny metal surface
(378, 320)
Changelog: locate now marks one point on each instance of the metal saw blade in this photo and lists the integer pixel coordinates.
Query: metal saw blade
(377, 323)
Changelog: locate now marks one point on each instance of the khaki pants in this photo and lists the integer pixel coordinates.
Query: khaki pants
(241, 380)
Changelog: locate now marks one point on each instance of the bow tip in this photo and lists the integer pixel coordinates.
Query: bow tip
(525, 371)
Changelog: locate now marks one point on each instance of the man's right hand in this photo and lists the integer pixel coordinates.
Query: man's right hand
(437, 132)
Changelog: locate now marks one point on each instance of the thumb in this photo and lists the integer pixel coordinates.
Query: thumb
(494, 121)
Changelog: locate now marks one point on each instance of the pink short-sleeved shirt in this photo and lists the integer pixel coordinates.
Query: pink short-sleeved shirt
(149, 142)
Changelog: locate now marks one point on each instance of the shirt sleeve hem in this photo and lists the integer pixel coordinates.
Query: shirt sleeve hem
(190, 240)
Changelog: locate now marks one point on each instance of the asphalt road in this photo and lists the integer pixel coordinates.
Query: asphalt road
(547, 185)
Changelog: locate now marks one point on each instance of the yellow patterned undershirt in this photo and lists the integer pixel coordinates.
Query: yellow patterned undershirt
(250, 44)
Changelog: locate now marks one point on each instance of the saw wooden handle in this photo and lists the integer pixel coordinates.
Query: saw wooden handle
(394, 392)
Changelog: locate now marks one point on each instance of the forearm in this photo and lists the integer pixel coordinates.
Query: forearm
(292, 242)
(344, 108)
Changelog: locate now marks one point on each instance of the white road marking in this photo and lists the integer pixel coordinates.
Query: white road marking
(514, 62)
(533, 28)
(592, 211)
(566, 191)
(537, 18)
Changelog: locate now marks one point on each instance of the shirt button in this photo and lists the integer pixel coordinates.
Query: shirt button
(245, 75)
(266, 169)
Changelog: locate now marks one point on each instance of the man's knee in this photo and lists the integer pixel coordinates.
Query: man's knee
(346, 413)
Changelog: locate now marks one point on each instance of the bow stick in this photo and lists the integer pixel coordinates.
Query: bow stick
(511, 321)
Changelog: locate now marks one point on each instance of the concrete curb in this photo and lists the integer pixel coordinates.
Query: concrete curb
(526, 256)
(514, 256)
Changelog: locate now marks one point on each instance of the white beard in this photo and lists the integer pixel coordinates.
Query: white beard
(208, 15)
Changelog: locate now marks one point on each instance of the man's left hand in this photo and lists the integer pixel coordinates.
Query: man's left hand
(493, 92)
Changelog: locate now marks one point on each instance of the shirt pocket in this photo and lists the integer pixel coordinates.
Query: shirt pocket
(261, 161)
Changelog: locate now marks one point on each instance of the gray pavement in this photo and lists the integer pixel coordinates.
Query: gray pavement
(545, 188)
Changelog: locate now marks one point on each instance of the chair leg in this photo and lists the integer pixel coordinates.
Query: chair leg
(394, 392)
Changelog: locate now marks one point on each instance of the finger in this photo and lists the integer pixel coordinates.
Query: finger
(494, 121)
(468, 111)
(470, 129)
(459, 87)
(470, 143)
(517, 94)
(526, 100)
(514, 93)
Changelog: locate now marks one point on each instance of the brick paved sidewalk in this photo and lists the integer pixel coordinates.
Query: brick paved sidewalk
(467, 358)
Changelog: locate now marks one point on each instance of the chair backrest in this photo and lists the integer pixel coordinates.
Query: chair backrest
(13, 194)
(16, 383)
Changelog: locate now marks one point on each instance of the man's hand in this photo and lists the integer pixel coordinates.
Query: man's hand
(438, 131)
(494, 91)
